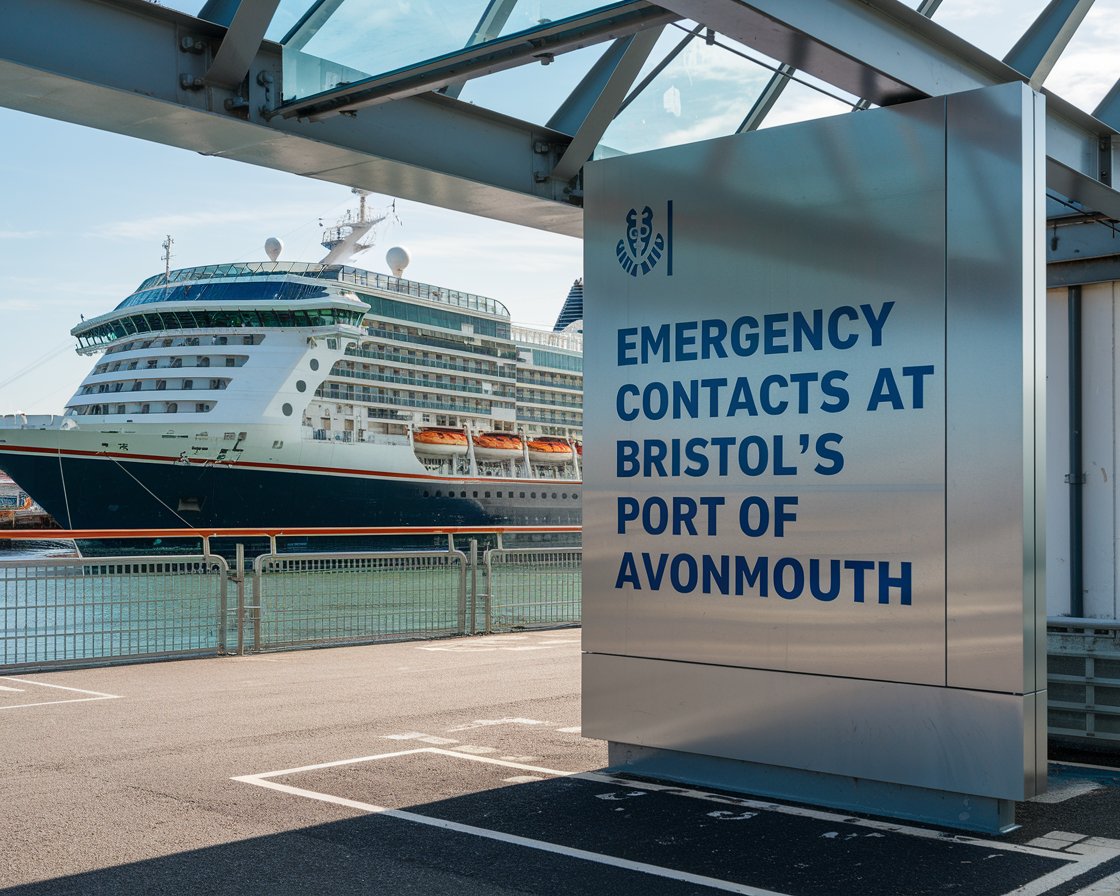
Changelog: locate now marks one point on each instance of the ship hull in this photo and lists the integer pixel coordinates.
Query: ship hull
(114, 493)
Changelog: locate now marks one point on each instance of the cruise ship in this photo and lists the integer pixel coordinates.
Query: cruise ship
(277, 394)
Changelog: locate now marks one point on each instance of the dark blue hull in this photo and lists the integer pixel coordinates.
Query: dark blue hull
(105, 493)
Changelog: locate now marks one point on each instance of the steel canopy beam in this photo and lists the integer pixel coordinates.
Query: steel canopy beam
(1035, 53)
(497, 55)
(122, 66)
(243, 37)
(887, 53)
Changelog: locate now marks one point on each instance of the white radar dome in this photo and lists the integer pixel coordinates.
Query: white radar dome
(397, 258)
(273, 247)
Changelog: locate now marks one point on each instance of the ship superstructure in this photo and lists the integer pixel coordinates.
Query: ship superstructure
(292, 394)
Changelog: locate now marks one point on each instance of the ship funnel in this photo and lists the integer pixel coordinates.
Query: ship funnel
(273, 247)
(397, 258)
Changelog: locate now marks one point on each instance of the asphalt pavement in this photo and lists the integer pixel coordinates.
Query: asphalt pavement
(439, 767)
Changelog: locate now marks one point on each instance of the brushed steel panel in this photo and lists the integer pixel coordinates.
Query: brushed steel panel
(812, 217)
(995, 368)
(933, 737)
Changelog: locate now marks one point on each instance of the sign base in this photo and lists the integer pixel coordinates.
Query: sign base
(984, 815)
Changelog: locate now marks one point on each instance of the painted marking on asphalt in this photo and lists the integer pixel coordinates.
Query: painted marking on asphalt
(1108, 886)
(1090, 855)
(575, 729)
(13, 690)
(485, 723)
(500, 642)
(1060, 791)
(94, 695)
(262, 780)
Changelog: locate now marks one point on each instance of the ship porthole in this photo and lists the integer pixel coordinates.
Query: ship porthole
(301, 386)
(287, 409)
(314, 363)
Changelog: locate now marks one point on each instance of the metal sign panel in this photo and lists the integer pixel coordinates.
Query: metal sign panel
(812, 417)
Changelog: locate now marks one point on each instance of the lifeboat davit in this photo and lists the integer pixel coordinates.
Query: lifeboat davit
(496, 446)
(436, 442)
(549, 450)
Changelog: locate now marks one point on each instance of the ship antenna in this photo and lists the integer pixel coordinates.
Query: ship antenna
(167, 244)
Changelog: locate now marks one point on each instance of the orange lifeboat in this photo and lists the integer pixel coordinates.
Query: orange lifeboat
(496, 446)
(549, 450)
(437, 442)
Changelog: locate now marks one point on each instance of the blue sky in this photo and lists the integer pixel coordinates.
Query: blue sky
(83, 213)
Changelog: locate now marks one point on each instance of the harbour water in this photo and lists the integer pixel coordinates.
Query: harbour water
(21, 549)
(58, 609)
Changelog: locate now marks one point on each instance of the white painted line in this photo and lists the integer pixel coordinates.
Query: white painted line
(1108, 886)
(513, 839)
(484, 723)
(522, 779)
(1043, 885)
(822, 815)
(723, 799)
(96, 695)
(13, 690)
(576, 729)
(43, 684)
(1067, 790)
(473, 750)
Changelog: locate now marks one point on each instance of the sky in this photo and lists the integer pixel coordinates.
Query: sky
(84, 213)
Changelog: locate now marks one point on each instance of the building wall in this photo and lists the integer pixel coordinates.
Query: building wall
(1100, 450)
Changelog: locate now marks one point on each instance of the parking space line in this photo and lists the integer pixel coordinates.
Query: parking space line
(1074, 866)
(94, 695)
(486, 833)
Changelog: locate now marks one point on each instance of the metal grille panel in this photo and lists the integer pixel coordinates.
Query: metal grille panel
(533, 588)
(70, 611)
(313, 599)
(1083, 676)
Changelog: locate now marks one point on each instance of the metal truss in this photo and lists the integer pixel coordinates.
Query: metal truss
(213, 85)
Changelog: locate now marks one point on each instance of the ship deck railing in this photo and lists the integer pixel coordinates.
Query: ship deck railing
(342, 273)
(133, 595)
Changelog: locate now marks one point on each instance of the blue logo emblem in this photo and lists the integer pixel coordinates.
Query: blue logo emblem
(641, 249)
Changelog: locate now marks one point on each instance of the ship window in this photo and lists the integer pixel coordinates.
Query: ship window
(426, 495)
(120, 408)
(474, 494)
(188, 384)
(486, 494)
(554, 496)
(287, 409)
(202, 407)
(204, 361)
(314, 364)
(532, 494)
(220, 340)
(245, 340)
(523, 494)
(439, 493)
(278, 443)
(145, 408)
(301, 386)
(172, 407)
(230, 362)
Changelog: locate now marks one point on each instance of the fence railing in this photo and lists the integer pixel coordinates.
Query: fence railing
(1083, 679)
(71, 611)
(74, 611)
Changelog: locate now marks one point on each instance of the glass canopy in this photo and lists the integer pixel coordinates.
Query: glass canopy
(528, 58)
